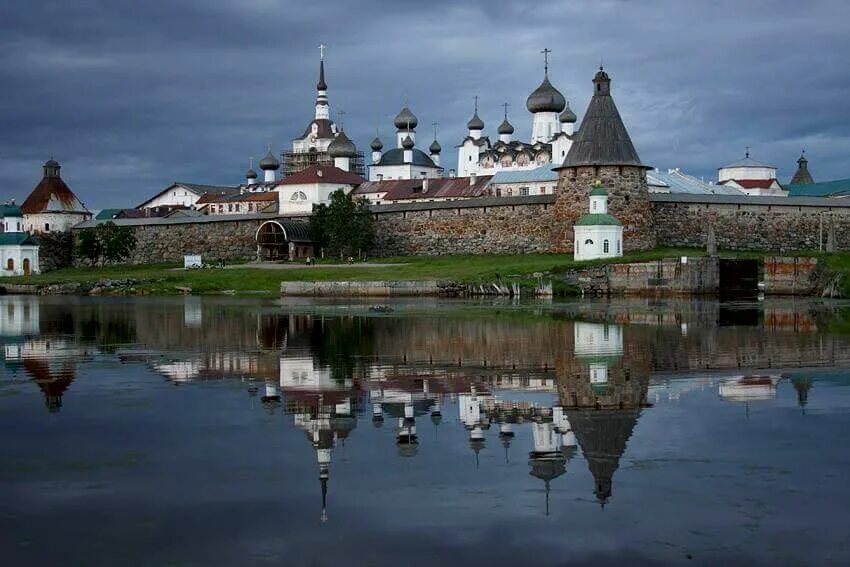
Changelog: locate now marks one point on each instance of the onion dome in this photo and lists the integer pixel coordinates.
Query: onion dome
(405, 119)
(568, 116)
(545, 98)
(51, 168)
(505, 127)
(435, 147)
(251, 174)
(269, 162)
(407, 143)
(341, 146)
(377, 145)
(475, 123)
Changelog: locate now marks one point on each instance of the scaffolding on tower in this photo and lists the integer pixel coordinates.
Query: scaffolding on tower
(293, 162)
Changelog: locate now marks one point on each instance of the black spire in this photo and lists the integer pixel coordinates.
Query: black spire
(602, 137)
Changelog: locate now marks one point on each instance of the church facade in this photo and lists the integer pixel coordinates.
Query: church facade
(552, 132)
(404, 160)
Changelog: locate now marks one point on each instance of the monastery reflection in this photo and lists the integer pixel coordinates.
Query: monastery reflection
(560, 388)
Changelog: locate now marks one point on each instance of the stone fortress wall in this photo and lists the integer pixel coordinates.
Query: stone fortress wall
(520, 225)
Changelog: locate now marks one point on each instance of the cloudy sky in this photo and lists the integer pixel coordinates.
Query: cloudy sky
(130, 96)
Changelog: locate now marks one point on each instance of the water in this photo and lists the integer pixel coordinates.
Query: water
(208, 431)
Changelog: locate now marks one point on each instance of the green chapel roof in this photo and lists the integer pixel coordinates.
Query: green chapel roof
(17, 238)
(598, 191)
(10, 211)
(597, 219)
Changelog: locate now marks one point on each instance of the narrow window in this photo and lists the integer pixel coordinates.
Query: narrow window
(10, 265)
(605, 247)
(47, 227)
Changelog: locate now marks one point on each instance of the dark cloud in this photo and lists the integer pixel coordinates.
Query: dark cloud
(133, 95)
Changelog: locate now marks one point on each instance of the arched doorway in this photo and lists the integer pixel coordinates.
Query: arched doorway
(10, 265)
(272, 242)
(26, 266)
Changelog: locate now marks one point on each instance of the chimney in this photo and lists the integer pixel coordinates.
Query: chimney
(424, 177)
(472, 179)
(380, 177)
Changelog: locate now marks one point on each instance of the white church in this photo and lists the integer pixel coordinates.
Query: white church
(552, 129)
(18, 249)
(598, 234)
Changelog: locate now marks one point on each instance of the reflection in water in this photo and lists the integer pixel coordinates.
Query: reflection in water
(571, 384)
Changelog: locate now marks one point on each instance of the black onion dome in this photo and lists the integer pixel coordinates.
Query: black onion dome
(377, 145)
(405, 119)
(251, 174)
(475, 123)
(435, 147)
(407, 143)
(545, 98)
(505, 127)
(568, 116)
(269, 162)
(342, 146)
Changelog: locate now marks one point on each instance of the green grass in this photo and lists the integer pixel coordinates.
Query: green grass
(164, 279)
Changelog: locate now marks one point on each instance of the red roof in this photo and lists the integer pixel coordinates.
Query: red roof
(52, 195)
(438, 188)
(322, 174)
(753, 183)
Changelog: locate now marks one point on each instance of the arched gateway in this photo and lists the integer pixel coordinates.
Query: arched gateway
(283, 240)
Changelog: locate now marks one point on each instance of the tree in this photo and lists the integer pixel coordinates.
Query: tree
(107, 242)
(344, 227)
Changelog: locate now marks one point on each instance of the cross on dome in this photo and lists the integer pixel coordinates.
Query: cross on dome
(322, 48)
(546, 51)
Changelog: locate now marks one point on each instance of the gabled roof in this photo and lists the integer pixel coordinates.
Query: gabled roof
(322, 174)
(17, 238)
(836, 188)
(197, 188)
(602, 138)
(438, 188)
(52, 195)
(542, 173)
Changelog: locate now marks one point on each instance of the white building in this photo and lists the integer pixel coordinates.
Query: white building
(300, 192)
(751, 177)
(18, 249)
(552, 129)
(512, 183)
(52, 206)
(597, 234)
(405, 160)
(180, 195)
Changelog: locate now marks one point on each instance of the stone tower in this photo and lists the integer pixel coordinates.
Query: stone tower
(603, 151)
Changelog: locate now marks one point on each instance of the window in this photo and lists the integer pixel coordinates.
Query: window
(523, 191)
(588, 242)
(605, 247)
(593, 205)
(230, 207)
(10, 265)
(47, 227)
(618, 246)
(19, 227)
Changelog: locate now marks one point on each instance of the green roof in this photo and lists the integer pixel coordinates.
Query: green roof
(837, 188)
(597, 219)
(598, 191)
(107, 214)
(10, 211)
(10, 238)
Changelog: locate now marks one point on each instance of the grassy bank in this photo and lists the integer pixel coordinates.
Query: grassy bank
(167, 278)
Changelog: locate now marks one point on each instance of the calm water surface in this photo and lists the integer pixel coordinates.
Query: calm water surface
(237, 432)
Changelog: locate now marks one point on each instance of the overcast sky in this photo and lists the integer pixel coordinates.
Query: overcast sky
(130, 96)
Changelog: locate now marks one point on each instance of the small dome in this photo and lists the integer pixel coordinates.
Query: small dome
(405, 119)
(407, 143)
(505, 127)
(475, 123)
(435, 148)
(51, 163)
(377, 145)
(545, 98)
(269, 162)
(341, 146)
(251, 174)
(568, 116)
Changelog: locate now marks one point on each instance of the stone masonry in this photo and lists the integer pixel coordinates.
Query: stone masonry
(628, 200)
